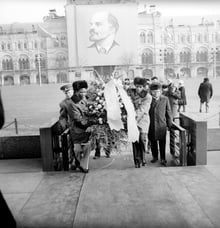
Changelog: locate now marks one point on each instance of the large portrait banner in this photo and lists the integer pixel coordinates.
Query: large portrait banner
(106, 34)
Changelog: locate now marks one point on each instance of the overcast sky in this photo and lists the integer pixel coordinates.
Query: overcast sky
(34, 10)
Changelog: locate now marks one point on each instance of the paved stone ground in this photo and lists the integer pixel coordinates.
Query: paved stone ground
(113, 194)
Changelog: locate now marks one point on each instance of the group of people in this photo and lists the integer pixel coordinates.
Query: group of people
(156, 106)
(153, 115)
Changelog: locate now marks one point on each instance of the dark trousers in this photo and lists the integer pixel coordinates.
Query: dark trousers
(162, 146)
(139, 150)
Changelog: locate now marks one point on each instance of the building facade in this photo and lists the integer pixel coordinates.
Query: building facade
(38, 53)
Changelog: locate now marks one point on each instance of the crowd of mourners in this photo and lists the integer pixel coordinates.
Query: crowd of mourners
(157, 106)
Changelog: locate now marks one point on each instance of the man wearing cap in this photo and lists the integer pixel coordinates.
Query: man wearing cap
(141, 100)
(160, 118)
(63, 118)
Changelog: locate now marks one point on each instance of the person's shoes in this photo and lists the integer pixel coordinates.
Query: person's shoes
(154, 160)
(136, 165)
(96, 157)
(200, 110)
(163, 162)
(73, 167)
(83, 170)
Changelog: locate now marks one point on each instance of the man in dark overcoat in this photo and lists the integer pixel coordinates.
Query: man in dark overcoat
(160, 119)
(205, 93)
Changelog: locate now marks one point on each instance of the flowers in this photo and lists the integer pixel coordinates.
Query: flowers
(107, 137)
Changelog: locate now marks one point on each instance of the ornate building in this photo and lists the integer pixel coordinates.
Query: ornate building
(38, 53)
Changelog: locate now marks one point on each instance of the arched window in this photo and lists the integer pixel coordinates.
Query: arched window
(35, 44)
(150, 37)
(56, 42)
(217, 37)
(142, 38)
(63, 41)
(9, 46)
(147, 57)
(24, 62)
(168, 56)
(25, 45)
(3, 46)
(7, 63)
(206, 37)
(40, 59)
(185, 56)
(200, 38)
(182, 38)
(61, 61)
(189, 38)
(218, 54)
(202, 55)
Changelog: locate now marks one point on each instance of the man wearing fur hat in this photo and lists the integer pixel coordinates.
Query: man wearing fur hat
(141, 100)
(160, 118)
(79, 122)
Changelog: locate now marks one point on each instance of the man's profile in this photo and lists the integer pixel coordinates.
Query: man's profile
(103, 29)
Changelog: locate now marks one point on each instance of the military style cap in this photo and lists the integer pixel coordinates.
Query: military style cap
(66, 87)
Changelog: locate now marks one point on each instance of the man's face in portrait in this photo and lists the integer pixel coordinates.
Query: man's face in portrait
(100, 28)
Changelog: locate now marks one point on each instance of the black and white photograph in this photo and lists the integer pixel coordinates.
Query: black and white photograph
(109, 113)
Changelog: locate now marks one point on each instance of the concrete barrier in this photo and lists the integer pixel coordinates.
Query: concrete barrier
(27, 146)
(213, 139)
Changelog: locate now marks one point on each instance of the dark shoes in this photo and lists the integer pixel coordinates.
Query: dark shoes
(154, 160)
(73, 167)
(96, 157)
(163, 162)
(137, 165)
(83, 170)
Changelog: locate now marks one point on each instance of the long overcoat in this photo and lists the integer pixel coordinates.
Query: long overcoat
(79, 121)
(160, 118)
(142, 105)
(205, 91)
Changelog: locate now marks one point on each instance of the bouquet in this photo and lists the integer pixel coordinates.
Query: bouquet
(108, 139)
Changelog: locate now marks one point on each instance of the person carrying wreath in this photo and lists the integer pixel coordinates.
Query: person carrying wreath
(141, 100)
(79, 122)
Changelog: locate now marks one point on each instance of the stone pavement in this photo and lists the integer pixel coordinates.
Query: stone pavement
(113, 194)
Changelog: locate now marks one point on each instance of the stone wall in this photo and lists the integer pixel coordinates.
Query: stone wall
(213, 139)
(20, 147)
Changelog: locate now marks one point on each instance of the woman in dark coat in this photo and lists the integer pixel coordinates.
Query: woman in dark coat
(79, 122)
(205, 93)
(160, 119)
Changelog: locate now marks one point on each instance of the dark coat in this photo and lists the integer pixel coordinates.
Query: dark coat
(160, 118)
(79, 121)
(205, 91)
(182, 100)
(64, 117)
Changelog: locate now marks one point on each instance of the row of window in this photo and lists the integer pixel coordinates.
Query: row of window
(25, 45)
(24, 62)
(181, 38)
(25, 79)
(168, 56)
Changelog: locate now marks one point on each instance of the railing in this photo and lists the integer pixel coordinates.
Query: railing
(178, 145)
(15, 122)
(55, 147)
